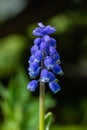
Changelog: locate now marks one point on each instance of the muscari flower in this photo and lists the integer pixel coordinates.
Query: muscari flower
(44, 60)
(49, 62)
(47, 76)
(37, 41)
(32, 85)
(34, 49)
(54, 87)
(43, 30)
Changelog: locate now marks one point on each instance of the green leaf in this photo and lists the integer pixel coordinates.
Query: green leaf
(3, 92)
(48, 120)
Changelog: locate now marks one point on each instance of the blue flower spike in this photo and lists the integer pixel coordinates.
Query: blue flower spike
(44, 60)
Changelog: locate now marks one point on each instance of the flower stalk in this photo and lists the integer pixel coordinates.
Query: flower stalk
(41, 105)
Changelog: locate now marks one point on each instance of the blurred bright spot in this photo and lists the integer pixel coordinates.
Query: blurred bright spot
(78, 17)
(61, 22)
(11, 48)
(67, 22)
(9, 8)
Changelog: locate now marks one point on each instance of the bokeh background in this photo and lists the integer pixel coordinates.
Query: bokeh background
(18, 107)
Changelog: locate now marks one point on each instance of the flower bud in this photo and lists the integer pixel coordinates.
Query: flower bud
(32, 85)
(54, 87)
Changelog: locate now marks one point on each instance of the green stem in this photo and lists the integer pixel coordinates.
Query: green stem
(41, 106)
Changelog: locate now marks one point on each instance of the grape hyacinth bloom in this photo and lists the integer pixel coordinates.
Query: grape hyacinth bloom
(44, 60)
(44, 65)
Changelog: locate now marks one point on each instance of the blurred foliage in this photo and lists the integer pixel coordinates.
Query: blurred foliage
(19, 107)
(62, 22)
(11, 49)
(83, 109)
(69, 127)
(68, 21)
